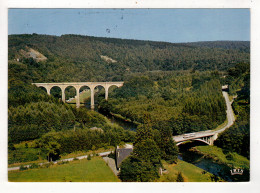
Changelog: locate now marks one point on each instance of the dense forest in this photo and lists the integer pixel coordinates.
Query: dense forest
(184, 102)
(56, 129)
(237, 137)
(169, 89)
(78, 58)
(150, 147)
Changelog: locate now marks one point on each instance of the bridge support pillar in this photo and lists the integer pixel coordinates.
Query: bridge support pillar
(62, 93)
(77, 98)
(211, 141)
(92, 100)
(213, 138)
(48, 90)
(106, 92)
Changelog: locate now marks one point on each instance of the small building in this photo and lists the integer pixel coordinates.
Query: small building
(122, 154)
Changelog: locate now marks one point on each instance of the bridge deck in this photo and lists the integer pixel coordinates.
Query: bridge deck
(179, 138)
(79, 83)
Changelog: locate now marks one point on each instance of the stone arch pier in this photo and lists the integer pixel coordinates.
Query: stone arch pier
(77, 86)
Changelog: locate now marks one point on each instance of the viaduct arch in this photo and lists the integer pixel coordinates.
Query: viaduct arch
(77, 86)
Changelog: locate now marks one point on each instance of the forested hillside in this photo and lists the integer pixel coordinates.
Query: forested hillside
(237, 137)
(243, 46)
(184, 102)
(168, 89)
(79, 58)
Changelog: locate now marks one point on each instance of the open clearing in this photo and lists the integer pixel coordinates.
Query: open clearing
(94, 170)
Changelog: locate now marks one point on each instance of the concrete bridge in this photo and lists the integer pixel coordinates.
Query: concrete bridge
(208, 136)
(77, 86)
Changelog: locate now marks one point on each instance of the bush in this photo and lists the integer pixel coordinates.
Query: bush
(134, 169)
(112, 155)
(47, 165)
(179, 177)
(215, 178)
(63, 162)
(89, 157)
(22, 168)
(34, 165)
(22, 155)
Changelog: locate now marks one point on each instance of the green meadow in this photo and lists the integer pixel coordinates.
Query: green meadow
(94, 170)
(189, 172)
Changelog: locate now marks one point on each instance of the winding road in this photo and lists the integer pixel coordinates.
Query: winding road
(202, 135)
(63, 160)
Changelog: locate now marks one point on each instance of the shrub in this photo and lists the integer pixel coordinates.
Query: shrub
(22, 155)
(63, 162)
(179, 177)
(47, 165)
(133, 169)
(22, 168)
(26, 145)
(112, 155)
(34, 165)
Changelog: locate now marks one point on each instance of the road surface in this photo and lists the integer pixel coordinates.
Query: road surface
(68, 159)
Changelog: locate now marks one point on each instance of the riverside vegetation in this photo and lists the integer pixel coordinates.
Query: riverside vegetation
(169, 89)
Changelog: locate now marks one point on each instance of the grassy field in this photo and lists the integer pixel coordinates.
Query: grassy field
(189, 172)
(24, 153)
(94, 170)
(82, 96)
(218, 155)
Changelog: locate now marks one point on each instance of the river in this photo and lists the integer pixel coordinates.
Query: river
(220, 170)
(206, 164)
(123, 123)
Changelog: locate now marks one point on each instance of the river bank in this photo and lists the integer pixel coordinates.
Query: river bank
(190, 173)
(218, 162)
(222, 157)
(120, 120)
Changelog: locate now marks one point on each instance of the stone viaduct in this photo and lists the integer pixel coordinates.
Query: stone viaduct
(77, 86)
